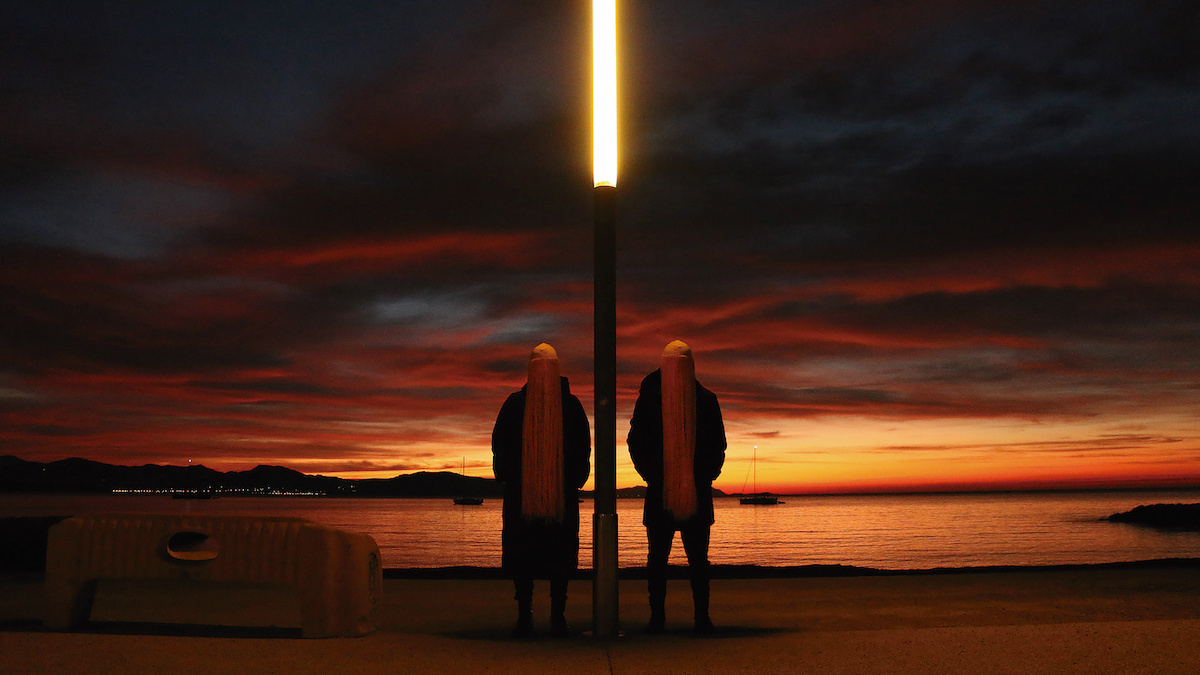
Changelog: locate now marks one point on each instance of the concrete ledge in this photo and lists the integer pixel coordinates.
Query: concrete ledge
(336, 575)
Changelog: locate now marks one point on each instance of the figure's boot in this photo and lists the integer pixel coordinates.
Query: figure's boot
(658, 606)
(524, 598)
(558, 608)
(700, 593)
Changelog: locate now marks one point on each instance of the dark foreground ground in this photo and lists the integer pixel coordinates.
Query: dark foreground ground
(1124, 619)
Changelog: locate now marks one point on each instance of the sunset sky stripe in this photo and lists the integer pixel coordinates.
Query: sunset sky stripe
(914, 245)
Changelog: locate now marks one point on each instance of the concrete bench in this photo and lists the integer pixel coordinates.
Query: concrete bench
(337, 575)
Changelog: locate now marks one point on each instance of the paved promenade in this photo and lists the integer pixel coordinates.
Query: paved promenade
(1141, 620)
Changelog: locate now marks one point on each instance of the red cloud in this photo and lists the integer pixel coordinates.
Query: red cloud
(1077, 267)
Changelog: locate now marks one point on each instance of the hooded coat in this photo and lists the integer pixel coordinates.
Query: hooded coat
(540, 548)
(645, 442)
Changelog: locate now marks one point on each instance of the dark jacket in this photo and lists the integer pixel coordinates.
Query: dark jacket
(646, 450)
(541, 549)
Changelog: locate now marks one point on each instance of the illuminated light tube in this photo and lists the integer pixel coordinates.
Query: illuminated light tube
(604, 92)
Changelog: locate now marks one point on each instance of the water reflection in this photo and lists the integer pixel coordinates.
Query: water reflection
(890, 532)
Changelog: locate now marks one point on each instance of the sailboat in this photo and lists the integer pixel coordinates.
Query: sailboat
(467, 501)
(756, 497)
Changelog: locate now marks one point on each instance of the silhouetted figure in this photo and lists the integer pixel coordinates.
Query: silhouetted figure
(541, 451)
(677, 443)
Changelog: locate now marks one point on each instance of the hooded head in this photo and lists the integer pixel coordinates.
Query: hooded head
(679, 430)
(542, 438)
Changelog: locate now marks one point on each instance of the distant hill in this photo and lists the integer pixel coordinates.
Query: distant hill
(637, 492)
(429, 484)
(85, 476)
(82, 475)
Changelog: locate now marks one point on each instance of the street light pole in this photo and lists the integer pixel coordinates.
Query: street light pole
(604, 167)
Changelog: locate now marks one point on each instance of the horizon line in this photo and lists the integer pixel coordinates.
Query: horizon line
(1067, 485)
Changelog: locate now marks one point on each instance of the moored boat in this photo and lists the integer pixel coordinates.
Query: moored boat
(756, 497)
(463, 500)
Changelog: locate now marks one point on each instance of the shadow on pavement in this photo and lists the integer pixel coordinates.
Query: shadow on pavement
(637, 634)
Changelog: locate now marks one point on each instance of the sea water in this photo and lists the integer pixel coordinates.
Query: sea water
(894, 532)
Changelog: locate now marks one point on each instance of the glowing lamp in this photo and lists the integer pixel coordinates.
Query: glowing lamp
(604, 92)
(605, 596)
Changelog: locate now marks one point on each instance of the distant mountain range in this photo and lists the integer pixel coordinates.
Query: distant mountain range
(86, 476)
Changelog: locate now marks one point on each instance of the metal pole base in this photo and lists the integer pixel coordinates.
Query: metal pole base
(605, 591)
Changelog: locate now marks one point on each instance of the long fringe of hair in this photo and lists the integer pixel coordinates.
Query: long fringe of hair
(542, 440)
(679, 434)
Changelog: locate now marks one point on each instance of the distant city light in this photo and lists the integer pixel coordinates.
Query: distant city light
(604, 92)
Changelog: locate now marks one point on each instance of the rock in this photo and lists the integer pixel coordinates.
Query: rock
(1164, 516)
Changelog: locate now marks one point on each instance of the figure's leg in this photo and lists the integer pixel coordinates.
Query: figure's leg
(558, 607)
(695, 544)
(660, 539)
(524, 598)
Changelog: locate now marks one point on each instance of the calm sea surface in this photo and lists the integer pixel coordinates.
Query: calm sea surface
(886, 532)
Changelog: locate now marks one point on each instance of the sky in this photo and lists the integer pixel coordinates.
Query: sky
(914, 244)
